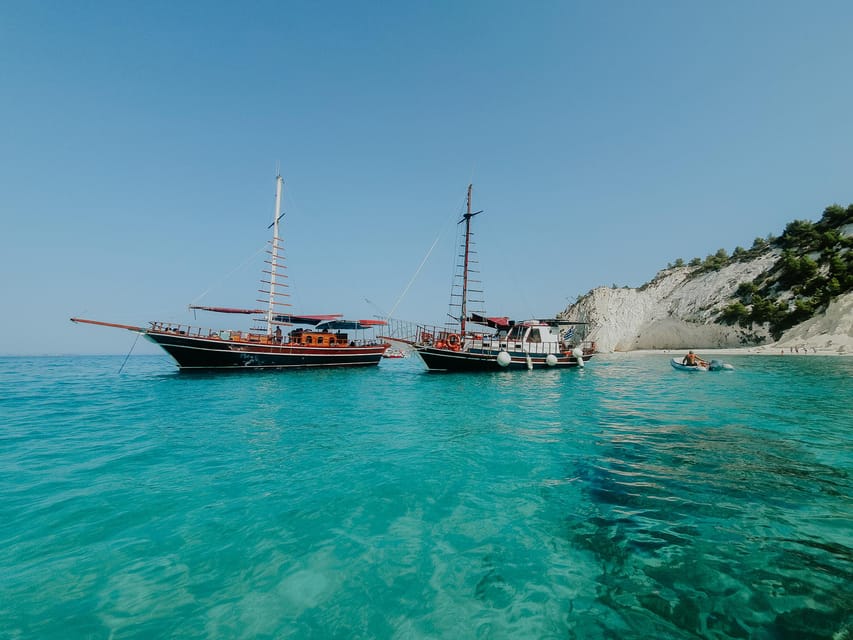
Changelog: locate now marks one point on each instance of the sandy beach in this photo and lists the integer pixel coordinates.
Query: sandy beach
(763, 350)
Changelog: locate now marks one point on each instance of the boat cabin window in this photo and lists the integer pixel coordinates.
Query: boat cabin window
(534, 335)
(515, 333)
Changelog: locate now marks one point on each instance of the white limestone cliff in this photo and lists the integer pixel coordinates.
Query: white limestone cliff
(831, 331)
(675, 311)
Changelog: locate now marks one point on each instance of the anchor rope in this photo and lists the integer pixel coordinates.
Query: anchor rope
(129, 352)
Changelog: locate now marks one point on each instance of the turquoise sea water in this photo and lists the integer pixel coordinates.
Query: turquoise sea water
(625, 500)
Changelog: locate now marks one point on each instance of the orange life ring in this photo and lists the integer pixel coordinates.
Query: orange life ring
(453, 341)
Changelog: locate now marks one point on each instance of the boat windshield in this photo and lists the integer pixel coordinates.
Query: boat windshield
(516, 333)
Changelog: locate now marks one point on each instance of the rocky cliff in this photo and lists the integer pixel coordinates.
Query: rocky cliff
(673, 311)
(693, 306)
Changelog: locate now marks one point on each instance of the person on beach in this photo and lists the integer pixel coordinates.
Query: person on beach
(692, 360)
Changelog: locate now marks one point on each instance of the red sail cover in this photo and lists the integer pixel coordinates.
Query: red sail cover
(227, 309)
(496, 323)
(329, 320)
(312, 320)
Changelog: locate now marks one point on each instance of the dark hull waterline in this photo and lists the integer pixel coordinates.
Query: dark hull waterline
(201, 353)
(447, 360)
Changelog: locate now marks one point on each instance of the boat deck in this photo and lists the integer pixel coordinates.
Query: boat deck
(297, 337)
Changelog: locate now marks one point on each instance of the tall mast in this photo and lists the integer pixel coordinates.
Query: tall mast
(467, 218)
(274, 253)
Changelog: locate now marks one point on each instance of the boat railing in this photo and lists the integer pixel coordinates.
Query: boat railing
(367, 342)
(183, 330)
(231, 335)
(441, 337)
(429, 335)
(402, 330)
(212, 334)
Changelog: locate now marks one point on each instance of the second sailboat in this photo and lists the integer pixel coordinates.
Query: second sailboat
(497, 343)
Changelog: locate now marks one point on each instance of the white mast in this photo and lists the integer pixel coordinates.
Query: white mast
(274, 253)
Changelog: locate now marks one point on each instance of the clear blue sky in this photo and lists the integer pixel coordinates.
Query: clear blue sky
(604, 140)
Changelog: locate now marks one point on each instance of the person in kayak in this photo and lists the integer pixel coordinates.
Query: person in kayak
(693, 360)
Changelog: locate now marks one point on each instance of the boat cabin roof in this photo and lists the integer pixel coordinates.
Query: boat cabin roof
(503, 323)
(329, 322)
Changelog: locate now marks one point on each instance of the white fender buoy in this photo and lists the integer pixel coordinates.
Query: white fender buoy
(529, 362)
(551, 360)
(504, 359)
(578, 354)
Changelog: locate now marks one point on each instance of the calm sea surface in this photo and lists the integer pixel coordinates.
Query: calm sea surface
(625, 500)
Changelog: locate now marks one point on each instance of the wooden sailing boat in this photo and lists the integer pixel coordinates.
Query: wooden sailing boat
(501, 343)
(326, 343)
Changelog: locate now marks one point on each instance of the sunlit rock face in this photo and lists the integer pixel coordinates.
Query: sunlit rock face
(679, 309)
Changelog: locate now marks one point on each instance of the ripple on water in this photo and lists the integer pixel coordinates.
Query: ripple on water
(623, 500)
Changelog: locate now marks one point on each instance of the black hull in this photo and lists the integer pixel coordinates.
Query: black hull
(462, 361)
(204, 353)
